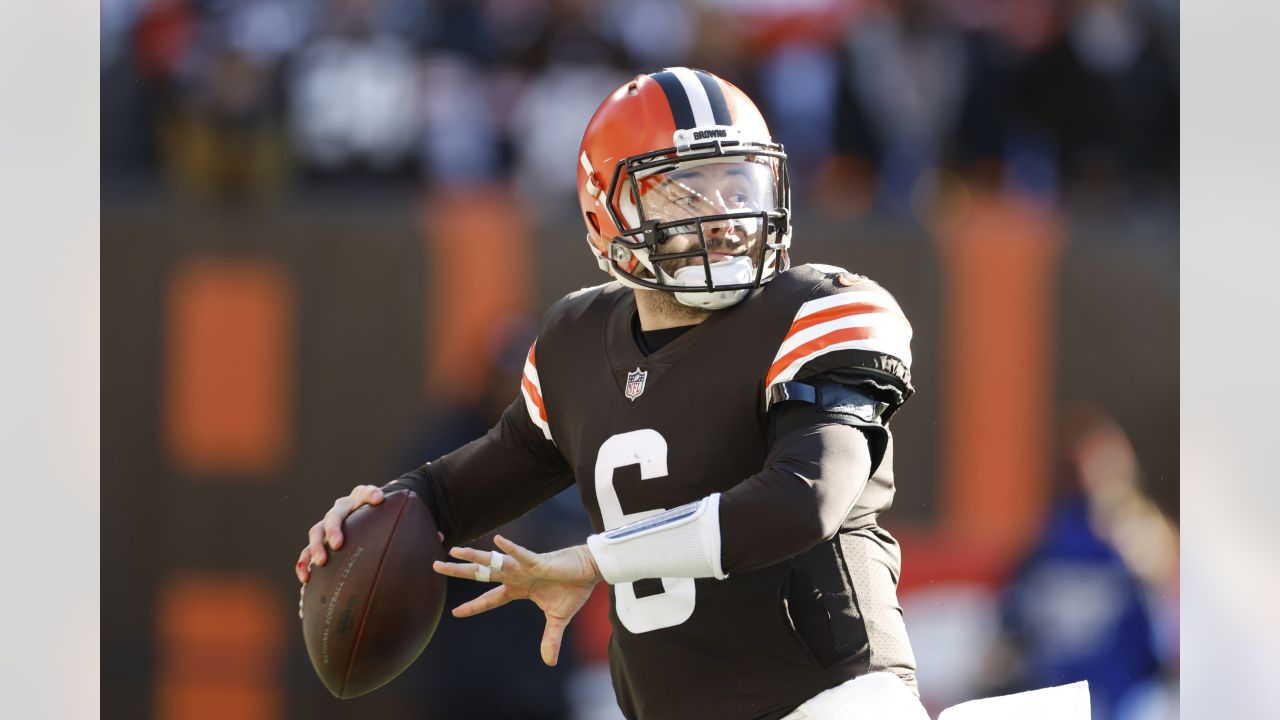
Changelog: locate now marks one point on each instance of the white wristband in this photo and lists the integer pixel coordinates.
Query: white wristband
(684, 542)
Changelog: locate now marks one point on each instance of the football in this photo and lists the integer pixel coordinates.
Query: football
(371, 609)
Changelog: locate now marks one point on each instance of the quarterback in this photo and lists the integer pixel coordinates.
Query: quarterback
(725, 418)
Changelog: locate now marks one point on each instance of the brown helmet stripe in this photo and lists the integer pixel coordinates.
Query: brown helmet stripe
(677, 98)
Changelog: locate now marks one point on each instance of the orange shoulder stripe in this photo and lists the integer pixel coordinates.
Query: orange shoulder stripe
(816, 344)
(835, 313)
(534, 395)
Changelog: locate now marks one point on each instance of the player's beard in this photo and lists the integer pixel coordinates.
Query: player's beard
(664, 304)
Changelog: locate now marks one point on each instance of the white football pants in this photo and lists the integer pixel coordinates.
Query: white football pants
(874, 696)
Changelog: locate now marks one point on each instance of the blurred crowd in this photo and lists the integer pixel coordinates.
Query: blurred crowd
(874, 99)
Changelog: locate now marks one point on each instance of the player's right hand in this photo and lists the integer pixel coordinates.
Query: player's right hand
(329, 530)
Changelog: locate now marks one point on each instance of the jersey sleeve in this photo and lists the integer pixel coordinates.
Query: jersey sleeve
(499, 477)
(850, 329)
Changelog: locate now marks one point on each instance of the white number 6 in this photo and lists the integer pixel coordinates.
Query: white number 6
(648, 449)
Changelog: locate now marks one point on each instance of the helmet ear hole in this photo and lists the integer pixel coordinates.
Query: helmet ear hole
(593, 222)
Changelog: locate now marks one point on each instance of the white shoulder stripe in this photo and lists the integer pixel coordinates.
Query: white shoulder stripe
(877, 297)
(891, 328)
(899, 350)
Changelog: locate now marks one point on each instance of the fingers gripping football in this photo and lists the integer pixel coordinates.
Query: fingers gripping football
(329, 530)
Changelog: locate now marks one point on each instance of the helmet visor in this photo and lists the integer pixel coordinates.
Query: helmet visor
(708, 211)
(710, 187)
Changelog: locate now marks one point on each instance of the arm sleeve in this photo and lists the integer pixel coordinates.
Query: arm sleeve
(816, 468)
(490, 481)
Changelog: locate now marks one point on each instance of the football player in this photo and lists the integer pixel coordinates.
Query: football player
(726, 420)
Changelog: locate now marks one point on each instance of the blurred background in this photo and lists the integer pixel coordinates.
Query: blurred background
(329, 228)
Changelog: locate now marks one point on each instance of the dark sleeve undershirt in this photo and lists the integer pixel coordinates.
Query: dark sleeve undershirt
(816, 468)
(489, 481)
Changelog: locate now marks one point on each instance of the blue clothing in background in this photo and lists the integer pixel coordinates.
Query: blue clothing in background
(1078, 613)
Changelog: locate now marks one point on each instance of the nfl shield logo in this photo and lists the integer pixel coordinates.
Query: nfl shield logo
(635, 383)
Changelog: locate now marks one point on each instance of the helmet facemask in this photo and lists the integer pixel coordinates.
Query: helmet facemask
(709, 223)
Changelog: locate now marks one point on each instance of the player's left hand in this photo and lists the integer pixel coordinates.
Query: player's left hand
(558, 582)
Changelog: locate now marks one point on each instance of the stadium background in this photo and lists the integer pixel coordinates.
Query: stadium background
(329, 226)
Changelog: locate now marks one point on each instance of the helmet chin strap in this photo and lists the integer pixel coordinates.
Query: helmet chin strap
(735, 271)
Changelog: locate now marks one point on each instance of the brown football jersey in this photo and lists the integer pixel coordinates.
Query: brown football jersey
(640, 434)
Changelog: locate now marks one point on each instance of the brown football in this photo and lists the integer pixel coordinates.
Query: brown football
(371, 609)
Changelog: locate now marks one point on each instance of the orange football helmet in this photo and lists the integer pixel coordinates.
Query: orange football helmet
(682, 189)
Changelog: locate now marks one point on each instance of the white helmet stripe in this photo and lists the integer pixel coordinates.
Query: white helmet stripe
(698, 100)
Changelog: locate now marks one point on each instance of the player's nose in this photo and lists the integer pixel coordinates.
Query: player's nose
(724, 234)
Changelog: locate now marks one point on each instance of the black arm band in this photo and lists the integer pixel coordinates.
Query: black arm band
(835, 398)
(797, 403)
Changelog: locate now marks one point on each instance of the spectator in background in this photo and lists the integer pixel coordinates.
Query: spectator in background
(902, 80)
(127, 131)
(354, 93)
(215, 73)
(1038, 96)
(1076, 96)
(463, 132)
(1096, 599)
(798, 71)
(576, 58)
(659, 33)
(1105, 94)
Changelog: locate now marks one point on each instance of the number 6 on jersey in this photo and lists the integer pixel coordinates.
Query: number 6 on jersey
(648, 449)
